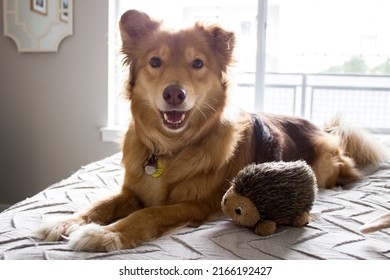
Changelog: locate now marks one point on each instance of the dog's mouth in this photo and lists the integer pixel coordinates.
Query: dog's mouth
(174, 119)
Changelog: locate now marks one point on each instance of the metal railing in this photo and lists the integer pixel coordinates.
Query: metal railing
(362, 99)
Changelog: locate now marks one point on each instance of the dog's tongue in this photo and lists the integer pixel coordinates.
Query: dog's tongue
(174, 116)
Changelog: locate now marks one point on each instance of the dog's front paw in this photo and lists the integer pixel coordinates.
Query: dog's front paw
(55, 230)
(94, 238)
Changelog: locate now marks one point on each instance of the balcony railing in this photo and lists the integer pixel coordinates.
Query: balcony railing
(361, 99)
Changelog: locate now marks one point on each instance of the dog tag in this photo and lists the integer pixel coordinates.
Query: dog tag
(150, 169)
(153, 166)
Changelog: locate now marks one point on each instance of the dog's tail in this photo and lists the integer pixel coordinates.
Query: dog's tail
(358, 143)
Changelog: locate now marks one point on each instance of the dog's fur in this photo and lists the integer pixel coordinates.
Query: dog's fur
(179, 91)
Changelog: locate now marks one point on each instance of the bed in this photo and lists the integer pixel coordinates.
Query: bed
(333, 234)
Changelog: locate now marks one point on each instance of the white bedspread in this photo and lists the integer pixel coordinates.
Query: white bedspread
(334, 233)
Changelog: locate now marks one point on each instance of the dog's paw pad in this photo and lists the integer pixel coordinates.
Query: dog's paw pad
(93, 237)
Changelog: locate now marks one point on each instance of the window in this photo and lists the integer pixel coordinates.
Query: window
(341, 50)
(323, 57)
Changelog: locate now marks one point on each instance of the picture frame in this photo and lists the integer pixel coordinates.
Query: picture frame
(64, 10)
(39, 6)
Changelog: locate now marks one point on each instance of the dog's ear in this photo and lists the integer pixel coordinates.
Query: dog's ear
(134, 26)
(222, 41)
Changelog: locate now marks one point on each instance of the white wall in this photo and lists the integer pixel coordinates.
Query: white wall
(52, 105)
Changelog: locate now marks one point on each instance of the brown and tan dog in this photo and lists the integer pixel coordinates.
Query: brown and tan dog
(186, 141)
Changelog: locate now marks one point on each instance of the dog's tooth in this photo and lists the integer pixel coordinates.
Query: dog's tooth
(166, 117)
(183, 117)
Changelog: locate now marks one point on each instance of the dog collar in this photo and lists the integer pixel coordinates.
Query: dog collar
(153, 166)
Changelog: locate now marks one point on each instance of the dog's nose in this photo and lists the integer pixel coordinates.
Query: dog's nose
(174, 95)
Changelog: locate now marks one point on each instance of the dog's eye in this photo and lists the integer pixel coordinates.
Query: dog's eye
(155, 62)
(197, 64)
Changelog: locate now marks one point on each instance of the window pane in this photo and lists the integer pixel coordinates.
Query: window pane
(337, 48)
(328, 36)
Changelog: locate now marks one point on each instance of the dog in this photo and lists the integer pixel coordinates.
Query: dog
(186, 140)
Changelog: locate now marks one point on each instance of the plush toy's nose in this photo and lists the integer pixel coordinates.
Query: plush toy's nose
(224, 201)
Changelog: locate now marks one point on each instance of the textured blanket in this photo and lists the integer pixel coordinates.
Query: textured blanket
(333, 234)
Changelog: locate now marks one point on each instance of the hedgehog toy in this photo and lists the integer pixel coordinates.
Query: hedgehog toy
(265, 195)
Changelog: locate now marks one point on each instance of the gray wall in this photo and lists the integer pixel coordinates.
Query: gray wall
(52, 106)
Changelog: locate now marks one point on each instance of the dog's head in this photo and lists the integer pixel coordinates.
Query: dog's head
(177, 78)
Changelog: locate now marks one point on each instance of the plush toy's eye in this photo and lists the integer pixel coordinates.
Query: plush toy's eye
(155, 62)
(238, 210)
